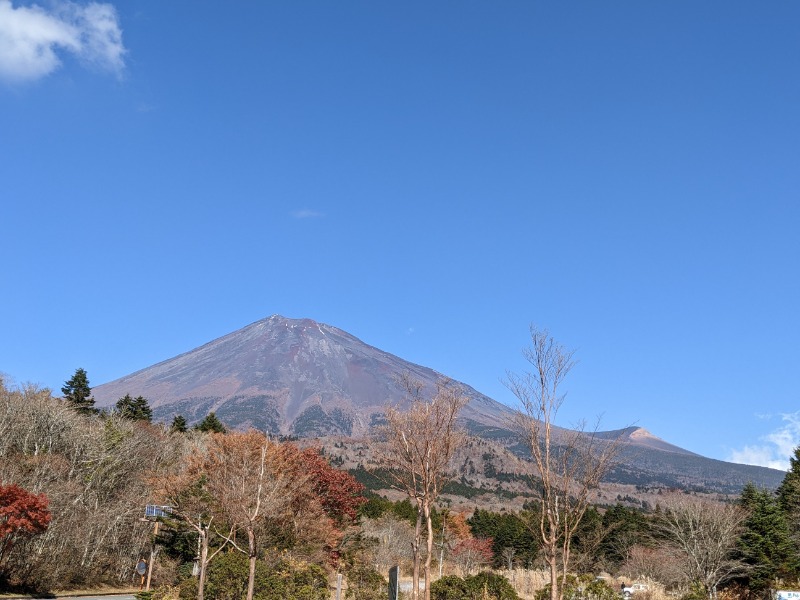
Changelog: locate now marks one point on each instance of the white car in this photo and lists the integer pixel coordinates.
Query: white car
(634, 588)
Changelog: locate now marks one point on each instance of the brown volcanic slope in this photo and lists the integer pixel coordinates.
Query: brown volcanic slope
(285, 376)
(299, 377)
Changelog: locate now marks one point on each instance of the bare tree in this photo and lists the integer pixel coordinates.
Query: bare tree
(655, 564)
(393, 539)
(704, 534)
(508, 556)
(418, 445)
(569, 463)
(192, 505)
(250, 479)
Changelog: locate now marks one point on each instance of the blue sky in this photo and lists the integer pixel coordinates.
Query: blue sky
(430, 177)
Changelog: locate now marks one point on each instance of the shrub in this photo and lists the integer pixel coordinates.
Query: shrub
(449, 587)
(365, 583)
(597, 589)
(497, 586)
(293, 581)
(227, 580)
(227, 577)
(571, 589)
(474, 587)
(585, 586)
(697, 591)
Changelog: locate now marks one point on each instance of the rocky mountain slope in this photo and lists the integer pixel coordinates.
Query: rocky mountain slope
(307, 379)
(287, 377)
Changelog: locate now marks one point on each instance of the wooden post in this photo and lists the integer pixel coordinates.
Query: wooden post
(152, 556)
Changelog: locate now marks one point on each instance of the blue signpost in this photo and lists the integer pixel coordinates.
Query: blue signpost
(141, 569)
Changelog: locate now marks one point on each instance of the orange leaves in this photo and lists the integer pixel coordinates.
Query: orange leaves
(21, 514)
(458, 526)
(275, 493)
(22, 511)
(337, 491)
(248, 475)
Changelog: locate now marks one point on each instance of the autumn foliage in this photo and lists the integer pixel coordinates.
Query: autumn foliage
(337, 491)
(21, 514)
(473, 553)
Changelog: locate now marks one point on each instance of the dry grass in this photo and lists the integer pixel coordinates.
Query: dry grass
(97, 591)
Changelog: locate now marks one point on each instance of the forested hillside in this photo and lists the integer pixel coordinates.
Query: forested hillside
(74, 483)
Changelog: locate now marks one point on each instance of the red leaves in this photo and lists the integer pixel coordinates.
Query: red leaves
(22, 511)
(473, 553)
(337, 491)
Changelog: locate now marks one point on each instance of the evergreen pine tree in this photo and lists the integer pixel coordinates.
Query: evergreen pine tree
(788, 497)
(178, 424)
(77, 392)
(211, 424)
(789, 494)
(135, 409)
(765, 543)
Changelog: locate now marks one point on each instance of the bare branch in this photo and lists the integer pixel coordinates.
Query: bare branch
(569, 463)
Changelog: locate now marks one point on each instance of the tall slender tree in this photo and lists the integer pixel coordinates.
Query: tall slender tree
(569, 463)
(77, 392)
(192, 506)
(419, 442)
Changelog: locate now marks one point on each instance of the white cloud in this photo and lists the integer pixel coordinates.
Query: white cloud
(32, 37)
(778, 447)
(307, 213)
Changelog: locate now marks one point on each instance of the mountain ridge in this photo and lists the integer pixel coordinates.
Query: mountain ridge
(303, 378)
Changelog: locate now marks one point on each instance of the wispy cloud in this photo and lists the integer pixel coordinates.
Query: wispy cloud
(777, 448)
(31, 38)
(307, 213)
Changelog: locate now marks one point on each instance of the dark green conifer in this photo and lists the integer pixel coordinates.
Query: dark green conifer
(178, 424)
(135, 409)
(77, 392)
(765, 543)
(211, 424)
(789, 492)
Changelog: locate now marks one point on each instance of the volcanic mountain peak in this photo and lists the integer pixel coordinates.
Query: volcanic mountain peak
(639, 436)
(286, 376)
(304, 378)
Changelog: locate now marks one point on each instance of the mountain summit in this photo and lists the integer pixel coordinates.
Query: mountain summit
(307, 379)
(289, 377)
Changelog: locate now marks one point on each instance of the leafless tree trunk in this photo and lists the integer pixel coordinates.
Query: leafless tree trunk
(569, 463)
(204, 532)
(418, 445)
(508, 555)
